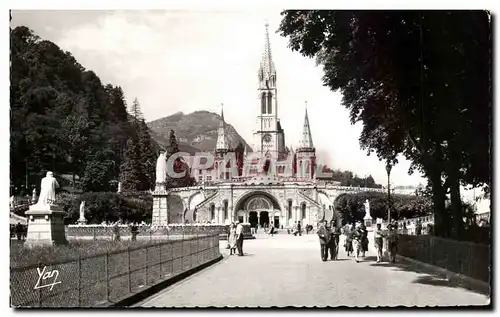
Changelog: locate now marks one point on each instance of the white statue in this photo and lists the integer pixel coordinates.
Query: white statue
(82, 211)
(119, 187)
(367, 210)
(48, 190)
(161, 168)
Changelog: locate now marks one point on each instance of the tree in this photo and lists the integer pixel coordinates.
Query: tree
(405, 76)
(180, 165)
(64, 120)
(147, 151)
(98, 171)
(351, 206)
(136, 112)
(173, 146)
(130, 170)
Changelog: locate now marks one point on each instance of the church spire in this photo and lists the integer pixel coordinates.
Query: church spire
(267, 71)
(306, 142)
(222, 139)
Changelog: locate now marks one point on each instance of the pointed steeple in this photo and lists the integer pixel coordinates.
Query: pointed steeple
(267, 70)
(306, 142)
(222, 139)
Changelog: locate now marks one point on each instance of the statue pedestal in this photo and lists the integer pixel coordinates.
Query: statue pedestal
(45, 226)
(160, 206)
(368, 223)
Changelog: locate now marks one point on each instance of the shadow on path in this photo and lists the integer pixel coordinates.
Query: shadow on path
(427, 279)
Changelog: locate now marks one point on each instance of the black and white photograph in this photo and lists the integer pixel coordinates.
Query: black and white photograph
(250, 158)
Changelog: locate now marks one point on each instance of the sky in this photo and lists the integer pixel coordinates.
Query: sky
(185, 61)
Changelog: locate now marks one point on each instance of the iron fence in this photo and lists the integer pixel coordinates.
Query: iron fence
(104, 279)
(467, 258)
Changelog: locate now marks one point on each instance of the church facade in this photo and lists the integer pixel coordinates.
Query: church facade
(275, 185)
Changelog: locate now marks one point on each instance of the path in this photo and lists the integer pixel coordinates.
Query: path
(287, 271)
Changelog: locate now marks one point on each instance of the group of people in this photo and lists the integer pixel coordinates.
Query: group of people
(297, 229)
(235, 238)
(18, 230)
(329, 238)
(356, 240)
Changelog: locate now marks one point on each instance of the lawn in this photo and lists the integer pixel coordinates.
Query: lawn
(23, 257)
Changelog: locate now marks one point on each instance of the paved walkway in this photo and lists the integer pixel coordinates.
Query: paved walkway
(287, 271)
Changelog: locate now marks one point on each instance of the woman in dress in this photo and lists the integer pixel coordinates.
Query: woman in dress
(348, 240)
(357, 236)
(232, 239)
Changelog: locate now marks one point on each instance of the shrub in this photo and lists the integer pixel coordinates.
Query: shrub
(111, 207)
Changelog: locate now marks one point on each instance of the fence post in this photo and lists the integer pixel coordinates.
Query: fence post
(147, 265)
(161, 263)
(79, 303)
(107, 275)
(431, 248)
(39, 290)
(172, 259)
(128, 271)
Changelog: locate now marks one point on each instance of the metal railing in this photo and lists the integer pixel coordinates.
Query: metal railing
(103, 279)
(467, 258)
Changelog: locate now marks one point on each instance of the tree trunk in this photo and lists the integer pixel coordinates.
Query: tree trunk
(456, 204)
(434, 171)
(441, 218)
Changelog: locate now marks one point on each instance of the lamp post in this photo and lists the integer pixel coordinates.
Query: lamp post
(388, 168)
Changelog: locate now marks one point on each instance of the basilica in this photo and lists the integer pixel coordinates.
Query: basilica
(275, 185)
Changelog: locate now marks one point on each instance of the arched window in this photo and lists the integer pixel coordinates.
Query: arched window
(289, 209)
(269, 103)
(225, 210)
(263, 103)
(212, 212)
(303, 211)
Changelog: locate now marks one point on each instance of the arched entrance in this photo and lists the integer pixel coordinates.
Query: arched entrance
(259, 208)
(253, 218)
(264, 218)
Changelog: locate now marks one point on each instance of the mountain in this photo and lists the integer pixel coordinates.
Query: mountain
(195, 132)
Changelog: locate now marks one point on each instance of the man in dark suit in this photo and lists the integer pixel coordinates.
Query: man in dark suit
(324, 239)
(239, 238)
(333, 244)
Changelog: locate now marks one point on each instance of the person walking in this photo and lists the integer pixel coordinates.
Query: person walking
(232, 239)
(19, 231)
(239, 237)
(357, 236)
(348, 240)
(379, 241)
(334, 241)
(272, 230)
(392, 241)
(324, 239)
(299, 229)
(364, 239)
